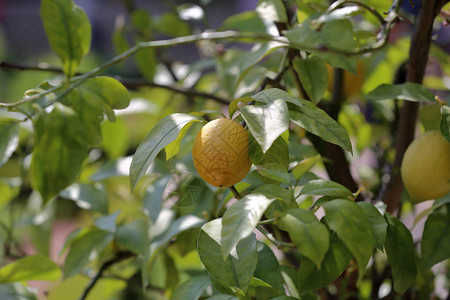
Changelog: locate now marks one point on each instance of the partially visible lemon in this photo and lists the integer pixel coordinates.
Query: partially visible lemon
(425, 167)
(352, 83)
(220, 153)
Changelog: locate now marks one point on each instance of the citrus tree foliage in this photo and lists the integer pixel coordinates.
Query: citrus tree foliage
(318, 88)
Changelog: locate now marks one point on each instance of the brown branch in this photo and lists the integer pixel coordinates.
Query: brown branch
(118, 258)
(130, 83)
(418, 57)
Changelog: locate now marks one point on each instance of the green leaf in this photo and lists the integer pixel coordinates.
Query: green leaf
(116, 139)
(153, 198)
(335, 262)
(266, 122)
(401, 254)
(305, 165)
(274, 171)
(165, 132)
(171, 24)
(223, 297)
(134, 236)
(9, 139)
(246, 21)
(313, 75)
(410, 91)
(173, 148)
(107, 223)
(68, 30)
(268, 268)
(238, 268)
(272, 10)
(16, 291)
(87, 196)
(95, 97)
(435, 245)
(33, 267)
(277, 153)
(309, 235)
(241, 218)
(85, 249)
(445, 122)
(147, 62)
(9, 189)
(307, 115)
(377, 222)
(192, 288)
(323, 187)
(350, 223)
(336, 35)
(59, 151)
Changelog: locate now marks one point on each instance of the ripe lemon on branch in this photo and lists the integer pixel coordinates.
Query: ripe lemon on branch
(220, 153)
(425, 167)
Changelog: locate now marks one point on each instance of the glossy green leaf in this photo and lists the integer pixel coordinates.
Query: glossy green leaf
(377, 223)
(307, 115)
(305, 165)
(147, 63)
(192, 288)
(68, 30)
(335, 262)
(410, 91)
(268, 268)
(241, 218)
(115, 138)
(9, 189)
(9, 139)
(16, 291)
(445, 122)
(165, 132)
(290, 277)
(59, 151)
(134, 236)
(313, 75)
(266, 122)
(33, 267)
(84, 250)
(87, 196)
(435, 245)
(401, 254)
(322, 187)
(351, 225)
(173, 148)
(309, 235)
(238, 268)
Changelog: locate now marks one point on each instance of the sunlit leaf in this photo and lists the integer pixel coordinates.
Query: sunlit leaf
(59, 151)
(267, 122)
(165, 132)
(323, 187)
(9, 139)
(238, 268)
(305, 165)
(241, 218)
(68, 30)
(33, 267)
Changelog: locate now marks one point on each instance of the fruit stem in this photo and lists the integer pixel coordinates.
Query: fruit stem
(235, 192)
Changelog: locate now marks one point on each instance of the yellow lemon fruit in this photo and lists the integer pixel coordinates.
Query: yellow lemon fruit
(425, 167)
(220, 153)
(352, 83)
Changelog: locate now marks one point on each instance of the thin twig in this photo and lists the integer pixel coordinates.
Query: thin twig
(118, 258)
(272, 239)
(235, 192)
